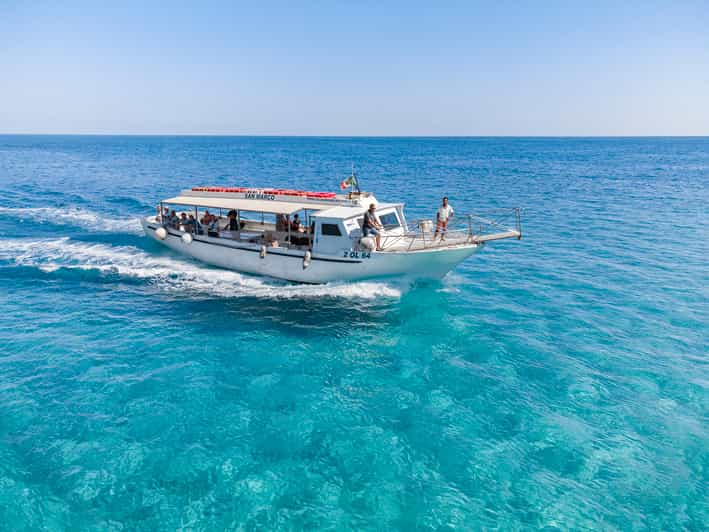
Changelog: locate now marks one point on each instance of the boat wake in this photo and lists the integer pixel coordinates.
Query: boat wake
(171, 273)
(74, 216)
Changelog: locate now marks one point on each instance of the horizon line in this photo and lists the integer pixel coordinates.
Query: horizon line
(243, 135)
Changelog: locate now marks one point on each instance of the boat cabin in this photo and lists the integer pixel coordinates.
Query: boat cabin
(321, 222)
(340, 228)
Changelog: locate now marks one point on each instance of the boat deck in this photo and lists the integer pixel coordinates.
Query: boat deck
(423, 241)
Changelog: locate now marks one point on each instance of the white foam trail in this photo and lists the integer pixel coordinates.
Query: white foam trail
(171, 273)
(74, 216)
(452, 283)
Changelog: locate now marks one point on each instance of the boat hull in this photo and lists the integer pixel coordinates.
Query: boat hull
(290, 264)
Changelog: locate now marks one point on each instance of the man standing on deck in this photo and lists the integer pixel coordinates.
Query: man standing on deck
(445, 213)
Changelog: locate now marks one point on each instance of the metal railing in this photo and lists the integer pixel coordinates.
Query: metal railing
(496, 222)
(468, 229)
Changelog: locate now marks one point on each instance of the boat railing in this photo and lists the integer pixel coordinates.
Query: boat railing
(468, 229)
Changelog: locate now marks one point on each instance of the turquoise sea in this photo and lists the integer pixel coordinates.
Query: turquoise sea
(559, 382)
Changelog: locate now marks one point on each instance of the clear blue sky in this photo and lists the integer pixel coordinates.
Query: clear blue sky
(355, 68)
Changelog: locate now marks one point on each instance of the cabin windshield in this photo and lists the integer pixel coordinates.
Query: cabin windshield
(389, 220)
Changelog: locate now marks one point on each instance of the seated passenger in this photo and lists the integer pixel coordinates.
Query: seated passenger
(213, 227)
(295, 224)
(173, 220)
(183, 221)
(281, 222)
(232, 224)
(206, 219)
(372, 226)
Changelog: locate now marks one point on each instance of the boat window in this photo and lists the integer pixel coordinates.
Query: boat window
(330, 230)
(389, 220)
(352, 225)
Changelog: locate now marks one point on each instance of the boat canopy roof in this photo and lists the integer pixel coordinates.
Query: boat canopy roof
(278, 201)
(243, 204)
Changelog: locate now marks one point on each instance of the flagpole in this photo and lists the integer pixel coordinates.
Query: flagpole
(355, 179)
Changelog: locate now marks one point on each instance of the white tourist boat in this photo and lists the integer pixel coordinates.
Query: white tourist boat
(327, 245)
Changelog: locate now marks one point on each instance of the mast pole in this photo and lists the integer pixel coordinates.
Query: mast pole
(355, 179)
(290, 239)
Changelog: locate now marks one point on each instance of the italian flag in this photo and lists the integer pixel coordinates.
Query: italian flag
(348, 182)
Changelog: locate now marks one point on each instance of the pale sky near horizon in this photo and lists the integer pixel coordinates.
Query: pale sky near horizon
(355, 68)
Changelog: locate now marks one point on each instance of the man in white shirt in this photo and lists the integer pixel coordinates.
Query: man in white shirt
(445, 212)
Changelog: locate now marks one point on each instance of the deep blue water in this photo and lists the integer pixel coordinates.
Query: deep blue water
(561, 381)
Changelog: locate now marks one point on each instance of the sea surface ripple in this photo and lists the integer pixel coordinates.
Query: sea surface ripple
(561, 381)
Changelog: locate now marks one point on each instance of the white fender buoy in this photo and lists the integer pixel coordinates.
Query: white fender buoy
(187, 238)
(306, 259)
(367, 242)
(161, 233)
(262, 254)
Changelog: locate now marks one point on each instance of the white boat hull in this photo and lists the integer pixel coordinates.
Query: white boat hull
(289, 264)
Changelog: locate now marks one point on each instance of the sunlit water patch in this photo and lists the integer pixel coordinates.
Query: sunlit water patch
(558, 382)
